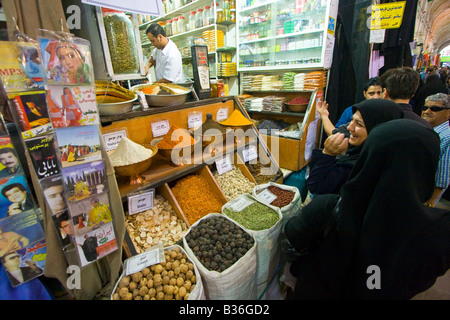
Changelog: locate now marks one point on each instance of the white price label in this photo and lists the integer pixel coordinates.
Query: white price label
(143, 260)
(241, 204)
(160, 128)
(142, 100)
(222, 114)
(194, 120)
(141, 202)
(250, 153)
(224, 165)
(266, 196)
(112, 139)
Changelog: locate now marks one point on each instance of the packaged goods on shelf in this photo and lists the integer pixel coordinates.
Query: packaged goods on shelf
(267, 82)
(288, 81)
(253, 104)
(299, 81)
(274, 104)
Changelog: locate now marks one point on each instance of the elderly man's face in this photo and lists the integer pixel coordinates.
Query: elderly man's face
(435, 118)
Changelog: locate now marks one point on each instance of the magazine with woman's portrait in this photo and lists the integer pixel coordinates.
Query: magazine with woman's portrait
(66, 62)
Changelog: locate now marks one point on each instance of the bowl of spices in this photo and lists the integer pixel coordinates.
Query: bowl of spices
(177, 145)
(130, 159)
(298, 104)
(237, 121)
(163, 94)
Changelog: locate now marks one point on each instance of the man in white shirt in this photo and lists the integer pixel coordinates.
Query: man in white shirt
(165, 57)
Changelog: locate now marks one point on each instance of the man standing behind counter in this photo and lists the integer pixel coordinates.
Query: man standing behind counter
(165, 57)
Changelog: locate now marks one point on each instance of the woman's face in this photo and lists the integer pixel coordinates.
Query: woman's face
(69, 58)
(358, 131)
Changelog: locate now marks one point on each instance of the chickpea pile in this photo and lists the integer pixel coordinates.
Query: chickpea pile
(171, 280)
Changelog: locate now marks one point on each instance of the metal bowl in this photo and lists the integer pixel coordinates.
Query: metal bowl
(133, 170)
(162, 100)
(110, 109)
(297, 107)
(177, 156)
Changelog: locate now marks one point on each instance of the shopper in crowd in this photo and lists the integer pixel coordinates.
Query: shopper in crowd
(165, 57)
(437, 112)
(371, 90)
(10, 161)
(432, 85)
(330, 167)
(429, 70)
(400, 85)
(376, 240)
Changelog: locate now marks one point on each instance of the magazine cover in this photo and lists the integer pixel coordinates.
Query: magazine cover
(20, 67)
(32, 114)
(9, 160)
(15, 196)
(25, 264)
(66, 62)
(72, 106)
(78, 145)
(84, 180)
(95, 209)
(20, 231)
(96, 244)
(42, 151)
(65, 226)
(54, 193)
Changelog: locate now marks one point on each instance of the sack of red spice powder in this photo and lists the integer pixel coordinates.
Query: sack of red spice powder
(287, 198)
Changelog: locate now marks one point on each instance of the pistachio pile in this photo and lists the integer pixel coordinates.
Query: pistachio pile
(234, 183)
(159, 224)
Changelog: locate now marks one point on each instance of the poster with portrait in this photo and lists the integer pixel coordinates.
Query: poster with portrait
(15, 196)
(9, 160)
(65, 227)
(31, 113)
(66, 62)
(25, 264)
(43, 153)
(78, 145)
(84, 180)
(54, 193)
(95, 209)
(71, 106)
(96, 244)
(21, 68)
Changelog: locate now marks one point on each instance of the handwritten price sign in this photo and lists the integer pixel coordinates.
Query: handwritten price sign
(140, 202)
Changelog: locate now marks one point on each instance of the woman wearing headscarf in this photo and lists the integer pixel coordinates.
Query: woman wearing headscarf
(72, 67)
(376, 240)
(433, 84)
(330, 167)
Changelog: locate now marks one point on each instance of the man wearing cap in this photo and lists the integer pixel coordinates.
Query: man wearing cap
(437, 112)
(99, 213)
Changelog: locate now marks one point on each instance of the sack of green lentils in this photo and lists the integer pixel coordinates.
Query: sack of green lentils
(264, 222)
(225, 255)
(287, 198)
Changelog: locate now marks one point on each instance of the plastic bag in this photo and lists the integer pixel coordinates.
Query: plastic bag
(267, 245)
(238, 282)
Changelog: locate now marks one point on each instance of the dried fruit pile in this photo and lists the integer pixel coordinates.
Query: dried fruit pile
(174, 279)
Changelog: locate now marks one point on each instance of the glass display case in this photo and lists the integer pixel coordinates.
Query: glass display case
(284, 34)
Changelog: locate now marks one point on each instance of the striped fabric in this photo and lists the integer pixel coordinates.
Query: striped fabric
(443, 170)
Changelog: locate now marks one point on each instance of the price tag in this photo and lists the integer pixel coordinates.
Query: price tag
(250, 153)
(241, 204)
(112, 139)
(195, 120)
(142, 100)
(266, 196)
(160, 128)
(224, 165)
(140, 202)
(222, 114)
(143, 260)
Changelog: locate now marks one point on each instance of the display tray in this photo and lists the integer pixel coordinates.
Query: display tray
(208, 176)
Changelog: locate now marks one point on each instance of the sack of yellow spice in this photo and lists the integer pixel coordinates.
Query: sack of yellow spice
(195, 197)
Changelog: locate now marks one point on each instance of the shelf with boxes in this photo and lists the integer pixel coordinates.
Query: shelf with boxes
(284, 34)
(283, 106)
(249, 153)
